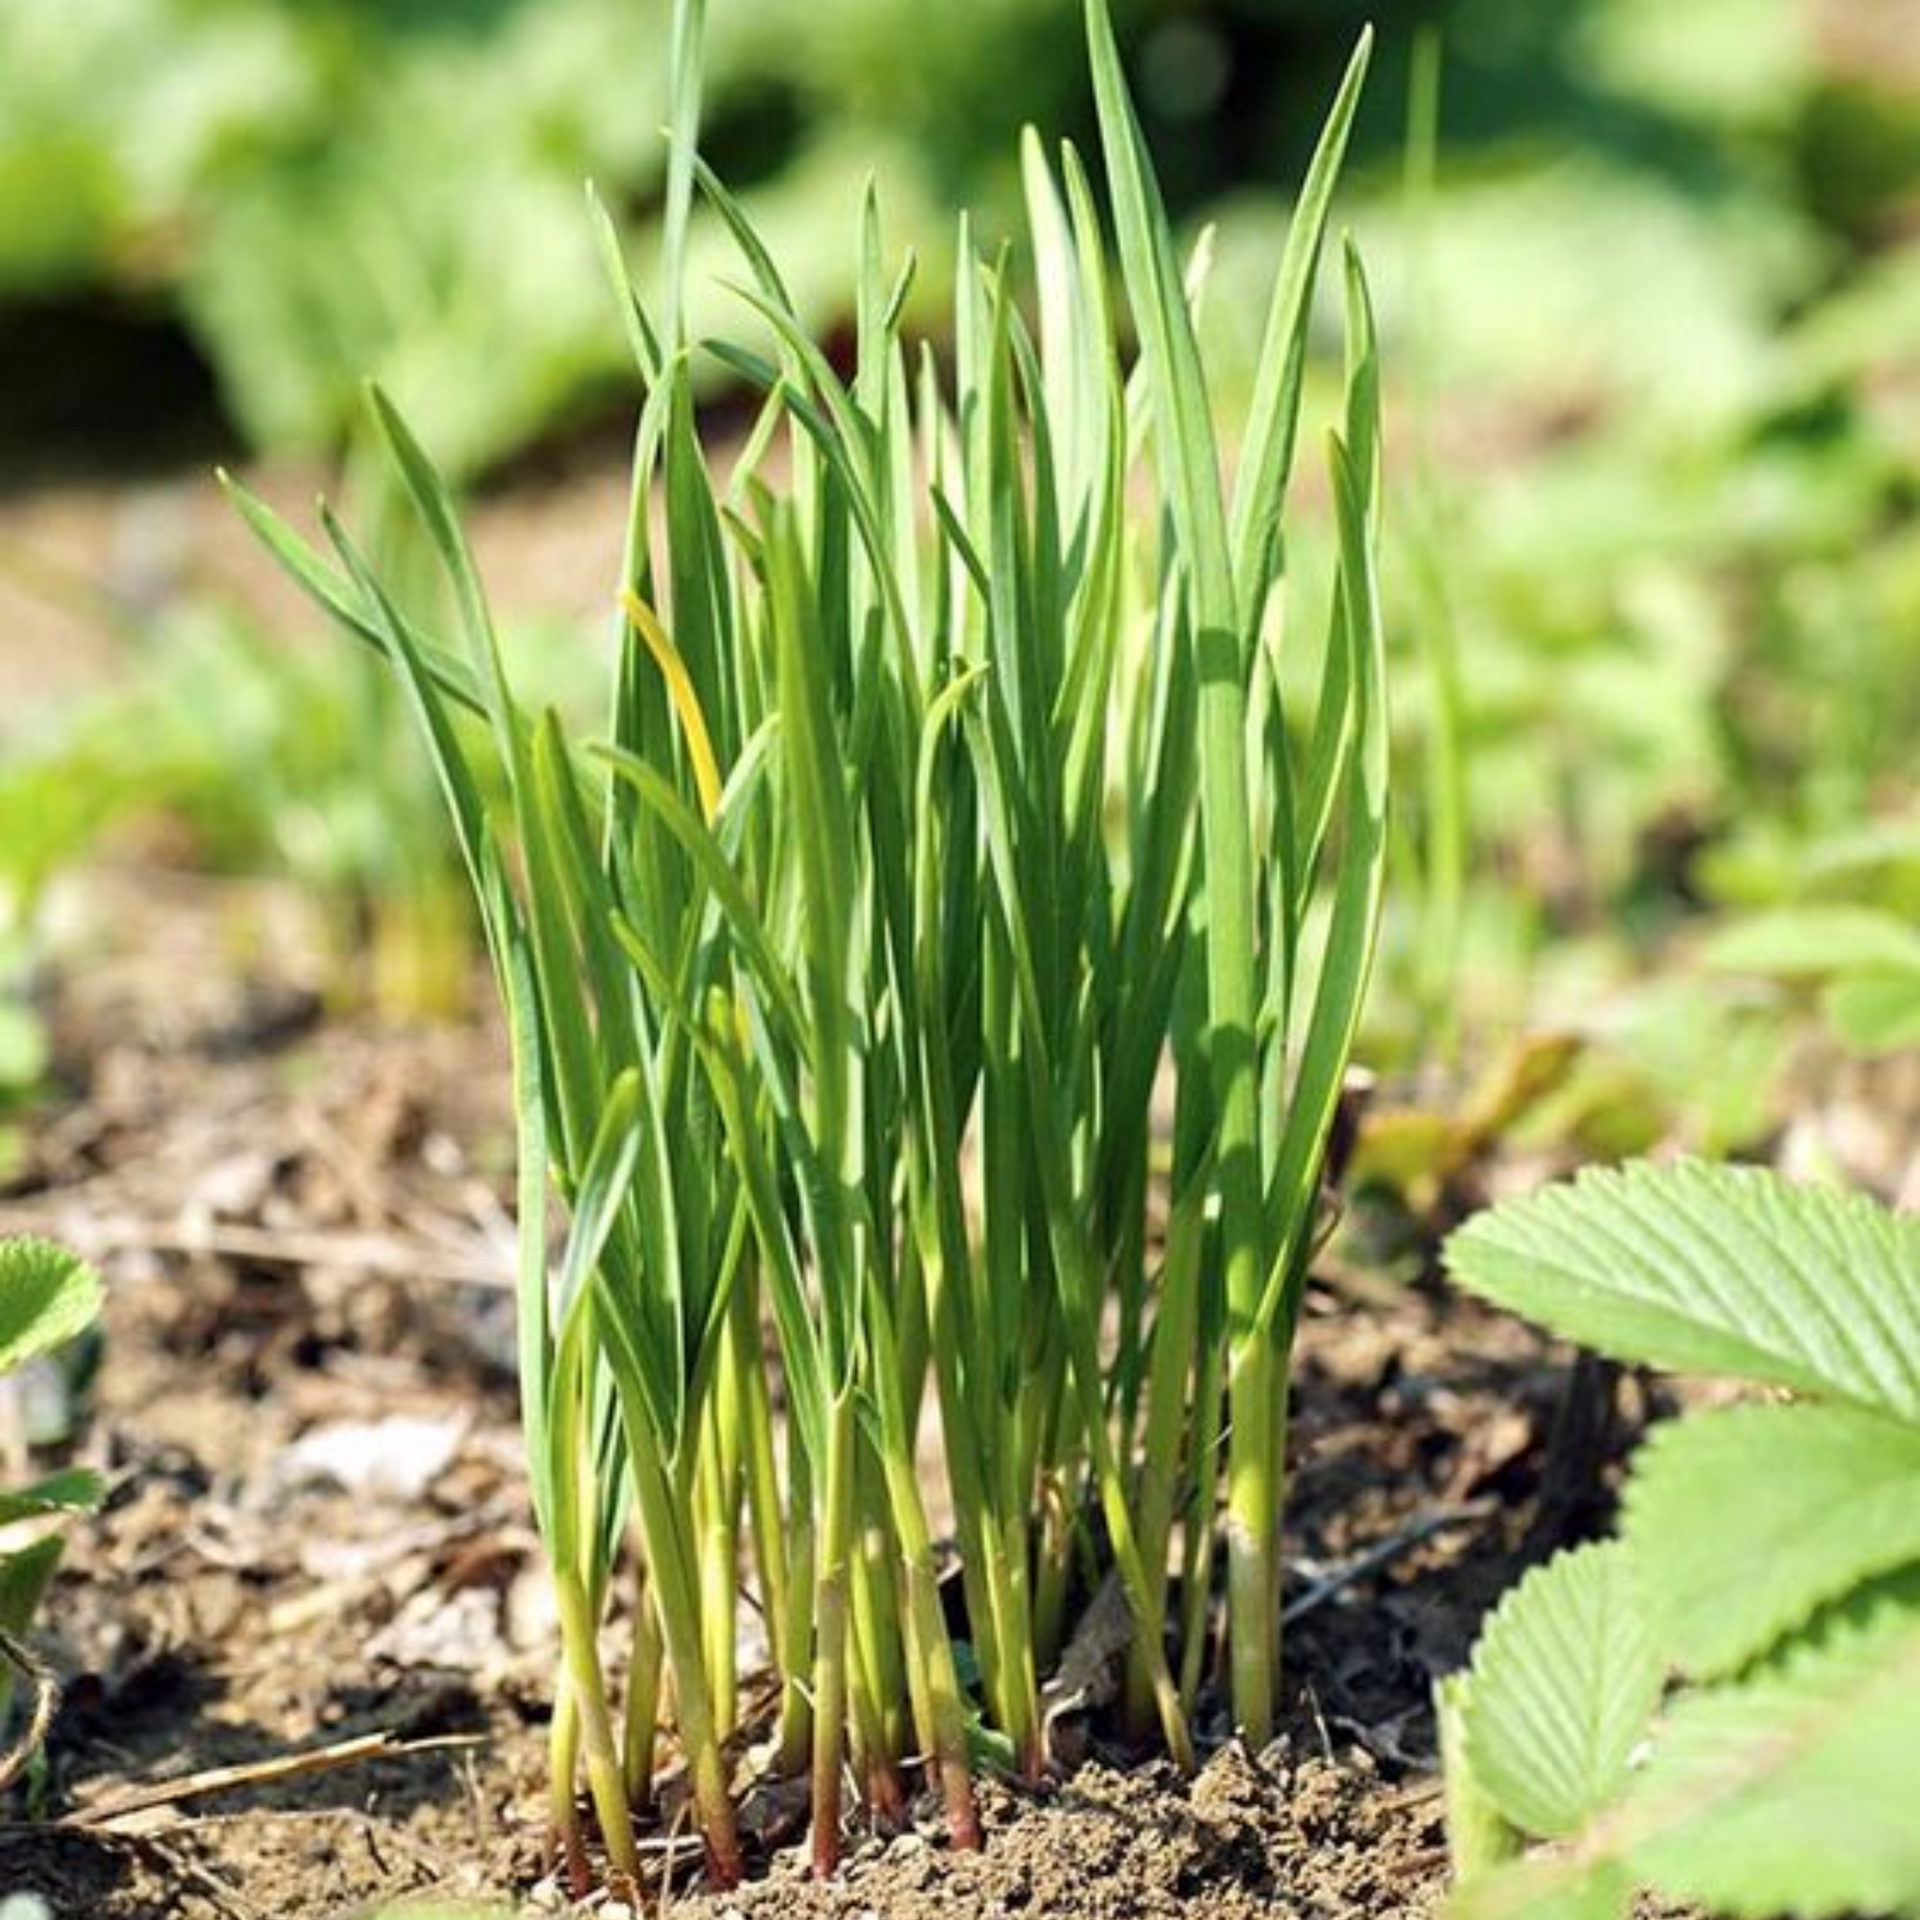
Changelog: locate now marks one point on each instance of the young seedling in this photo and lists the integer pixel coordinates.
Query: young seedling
(947, 808)
(47, 1297)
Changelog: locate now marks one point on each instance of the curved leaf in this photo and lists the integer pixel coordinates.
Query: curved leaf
(1789, 1791)
(1792, 1791)
(1744, 1520)
(1537, 1889)
(1563, 1682)
(1479, 1836)
(47, 1295)
(1714, 1270)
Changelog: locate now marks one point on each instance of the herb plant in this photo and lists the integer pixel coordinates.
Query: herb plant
(1769, 1556)
(47, 1296)
(948, 810)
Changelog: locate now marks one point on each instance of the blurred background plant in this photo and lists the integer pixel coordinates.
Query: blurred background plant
(1649, 281)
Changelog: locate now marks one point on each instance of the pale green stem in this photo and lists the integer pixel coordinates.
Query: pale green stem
(677, 1596)
(643, 1696)
(831, 1633)
(762, 1474)
(1196, 1558)
(716, 1505)
(878, 1673)
(1254, 1387)
(796, 1702)
(941, 1717)
(563, 1766)
(606, 1775)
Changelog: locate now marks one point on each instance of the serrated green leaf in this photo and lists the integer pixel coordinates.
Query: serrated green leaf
(47, 1295)
(1704, 1269)
(1789, 1791)
(1563, 1682)
(1744, 1520)
(1479, 1837)
(1814, 941)
(1792, 1791)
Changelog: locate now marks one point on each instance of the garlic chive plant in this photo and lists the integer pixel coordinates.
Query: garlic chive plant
(948, 810)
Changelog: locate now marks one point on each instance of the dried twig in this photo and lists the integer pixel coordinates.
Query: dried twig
(1422, 1527)
(46, 1700)
(98, 1237)
(134, 1811)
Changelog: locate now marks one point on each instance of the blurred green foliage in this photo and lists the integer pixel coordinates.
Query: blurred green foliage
(324, 189)
(1654, 341)
(327, 188)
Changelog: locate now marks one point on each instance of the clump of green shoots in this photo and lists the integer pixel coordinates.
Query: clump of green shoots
(949, 818)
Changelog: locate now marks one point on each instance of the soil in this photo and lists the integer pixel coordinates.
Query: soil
(317, 1534)
(1248, 1838)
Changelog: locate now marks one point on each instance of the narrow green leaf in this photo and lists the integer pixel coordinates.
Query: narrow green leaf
(1346, 966)
(604, 1184)
(1183, 420)
(686, 63)
(1266, 461)
(533, 1317)
(661, 799)
(459, 782)
(76, 1490)
(642, 340)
